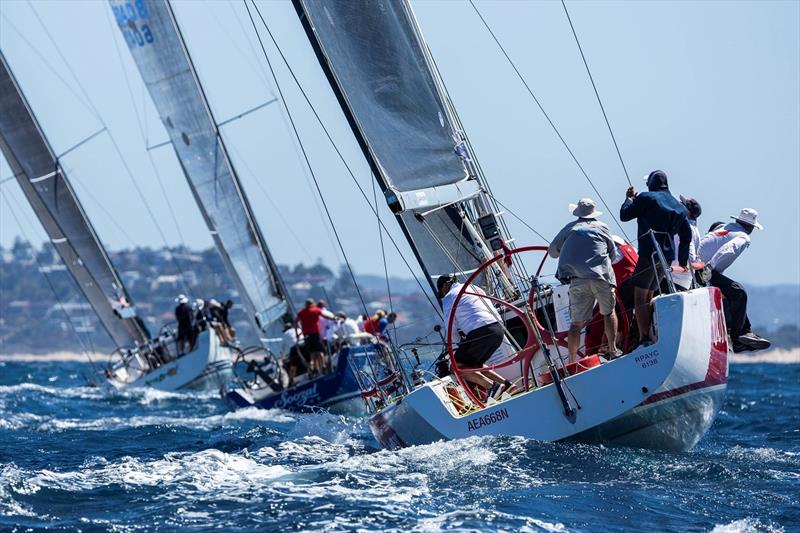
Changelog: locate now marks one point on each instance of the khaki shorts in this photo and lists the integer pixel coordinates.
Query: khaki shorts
(584, 293)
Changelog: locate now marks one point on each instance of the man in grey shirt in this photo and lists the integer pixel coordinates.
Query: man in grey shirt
(585, 248)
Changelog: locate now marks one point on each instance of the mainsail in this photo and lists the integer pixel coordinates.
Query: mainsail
(50, 194)
(378, 66)
(158, 48)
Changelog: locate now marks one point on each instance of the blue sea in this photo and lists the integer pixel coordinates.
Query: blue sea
(79, 458)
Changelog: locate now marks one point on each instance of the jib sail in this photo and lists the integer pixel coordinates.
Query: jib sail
(50, 194)
(159, 51)
(377, 64)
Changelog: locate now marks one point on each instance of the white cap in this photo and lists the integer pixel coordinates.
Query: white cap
(182, 299)
(748, 216)
(585, 208)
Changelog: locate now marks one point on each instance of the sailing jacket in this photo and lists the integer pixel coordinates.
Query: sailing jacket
(584, 248)
(720, 248)
(666, 216)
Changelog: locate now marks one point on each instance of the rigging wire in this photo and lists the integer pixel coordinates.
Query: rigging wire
(546, 116)
(264, 76)
(597, 94)
(102, 122)
(383, 254)
(513, 214)
(61, 305)
(305, 154)
(141, 122)
(344, 161)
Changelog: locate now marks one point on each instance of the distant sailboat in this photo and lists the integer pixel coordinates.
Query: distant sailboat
(664, 396)
(160, 53)
(139, 360)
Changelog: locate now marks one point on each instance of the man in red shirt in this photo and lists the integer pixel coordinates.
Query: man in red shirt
(308, 319)
(623, 263)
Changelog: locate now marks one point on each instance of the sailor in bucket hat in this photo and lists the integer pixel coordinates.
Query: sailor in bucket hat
(718, 250)
(585, 248)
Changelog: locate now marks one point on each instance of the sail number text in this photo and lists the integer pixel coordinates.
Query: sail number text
(127, 14)
(648, 359)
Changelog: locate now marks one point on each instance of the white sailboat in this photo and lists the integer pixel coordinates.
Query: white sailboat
(663, 396)
(139, 359)
(160, 53)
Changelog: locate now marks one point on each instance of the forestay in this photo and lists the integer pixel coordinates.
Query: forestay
(378, 65)
(45, 184)
(158, 48)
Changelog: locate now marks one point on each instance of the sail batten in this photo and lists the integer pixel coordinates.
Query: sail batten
(375, 59)
(47, 189)
(159, 51)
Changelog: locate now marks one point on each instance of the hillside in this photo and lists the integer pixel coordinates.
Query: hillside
(42, 311)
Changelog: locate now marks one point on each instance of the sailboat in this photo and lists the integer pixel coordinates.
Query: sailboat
(140, 360)
(156, 43)
(664, 396)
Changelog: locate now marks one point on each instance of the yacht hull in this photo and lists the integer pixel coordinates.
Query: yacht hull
(208, 366)
(664, 396)
(337, 391)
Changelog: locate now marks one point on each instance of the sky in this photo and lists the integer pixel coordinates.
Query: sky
(709, 92)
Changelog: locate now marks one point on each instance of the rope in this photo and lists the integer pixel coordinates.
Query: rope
(597, 94)
(546, 116)
(99, 118)
(383, 255)
(49, 283)
(305, 154)
(143, 133)
(344, 161)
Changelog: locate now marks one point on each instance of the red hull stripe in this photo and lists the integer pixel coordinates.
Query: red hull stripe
(717, 373)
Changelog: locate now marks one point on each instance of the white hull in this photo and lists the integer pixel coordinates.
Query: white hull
(208, 366)
(664, 396)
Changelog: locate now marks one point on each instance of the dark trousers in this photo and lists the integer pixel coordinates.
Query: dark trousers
(735, 304)
(479, 345)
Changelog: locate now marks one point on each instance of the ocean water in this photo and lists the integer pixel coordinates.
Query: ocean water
(73, 457)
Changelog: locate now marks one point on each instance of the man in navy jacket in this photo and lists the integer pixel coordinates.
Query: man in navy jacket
(661, 212)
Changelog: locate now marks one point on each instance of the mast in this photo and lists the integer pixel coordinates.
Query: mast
(406, 127)
(160, 53)
(44, 183)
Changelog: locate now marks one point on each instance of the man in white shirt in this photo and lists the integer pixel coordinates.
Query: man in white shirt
(479, 323)
(290, 352)
(682, 278)
(718, 250)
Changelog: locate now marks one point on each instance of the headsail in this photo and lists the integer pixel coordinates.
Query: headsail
(377, 64)
(157, 46)
(50, 194)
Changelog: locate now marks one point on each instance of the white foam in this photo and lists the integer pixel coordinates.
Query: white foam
(746, 525)
(51, 424)
(206, 471)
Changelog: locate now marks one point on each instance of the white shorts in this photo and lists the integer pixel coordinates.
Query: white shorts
(585, 293)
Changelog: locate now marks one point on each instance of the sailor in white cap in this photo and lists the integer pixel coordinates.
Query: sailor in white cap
(718, 250)
(585, 250)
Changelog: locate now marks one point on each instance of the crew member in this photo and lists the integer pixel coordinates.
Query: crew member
(477, 323)
(585, 248)
(290, 351)
(308, 319)
(624, 263)
(683, 279)
(719, 249)
(183, 316)
(659, 211)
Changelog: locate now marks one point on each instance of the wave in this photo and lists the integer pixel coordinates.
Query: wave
(777, 356)
(144, 396)
(747, 525)
(201, 472)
